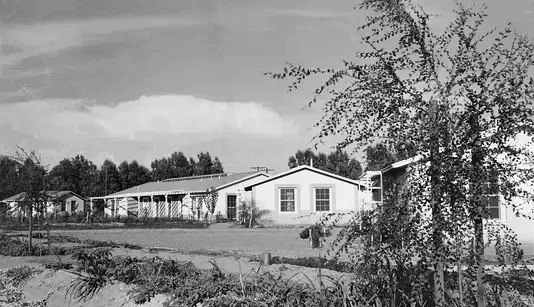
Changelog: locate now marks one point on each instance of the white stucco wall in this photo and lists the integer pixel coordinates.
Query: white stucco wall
(344, 198)
(238, 190)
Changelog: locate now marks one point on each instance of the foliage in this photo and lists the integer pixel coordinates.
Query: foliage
(337, 162)
(76, 174)
(8, 171)
(209, 199)
(19, 276)
(132, 174)
(187, 285)
(317, 232)
(378, 157)
(177, 166)
(93, 273)
(250, 214)
(461, 98)
(11, 293)
(109, 177)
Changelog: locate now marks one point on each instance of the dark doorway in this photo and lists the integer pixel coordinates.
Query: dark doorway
(231, 207)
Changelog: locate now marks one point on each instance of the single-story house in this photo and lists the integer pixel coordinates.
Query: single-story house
(58, 201)
(389, 181)
(302, 195)
(182, 197)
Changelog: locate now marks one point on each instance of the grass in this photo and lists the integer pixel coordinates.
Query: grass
(126, 224)
(16, 245)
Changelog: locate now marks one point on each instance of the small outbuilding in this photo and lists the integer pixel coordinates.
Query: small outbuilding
(57, 202)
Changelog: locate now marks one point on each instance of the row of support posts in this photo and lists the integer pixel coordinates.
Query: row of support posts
(156, 212)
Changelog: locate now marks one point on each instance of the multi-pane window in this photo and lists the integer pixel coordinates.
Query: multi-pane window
(492, 203)
(322, 199)
(287, 200)
(73, 205)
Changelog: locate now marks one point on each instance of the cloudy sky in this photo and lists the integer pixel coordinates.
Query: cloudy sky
(139, 79)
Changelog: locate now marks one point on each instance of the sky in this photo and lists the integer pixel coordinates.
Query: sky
(138, 79)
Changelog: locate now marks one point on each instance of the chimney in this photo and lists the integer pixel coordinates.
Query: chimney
(311, 162)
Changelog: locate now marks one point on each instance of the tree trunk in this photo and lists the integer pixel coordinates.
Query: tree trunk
(479, 252)
(437, 215)
(30, 228)
(477, 206)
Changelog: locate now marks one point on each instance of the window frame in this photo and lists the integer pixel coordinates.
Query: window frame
(489, 206)
(330, 198)
(295, 199)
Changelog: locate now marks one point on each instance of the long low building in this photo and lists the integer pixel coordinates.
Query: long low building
(182, 197)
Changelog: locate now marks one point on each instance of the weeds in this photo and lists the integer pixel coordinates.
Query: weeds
(18, 276)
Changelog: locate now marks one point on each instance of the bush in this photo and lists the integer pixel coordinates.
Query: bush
(19, 276)
(317, 232)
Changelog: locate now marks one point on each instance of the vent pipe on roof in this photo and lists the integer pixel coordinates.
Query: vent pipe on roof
(311, 162)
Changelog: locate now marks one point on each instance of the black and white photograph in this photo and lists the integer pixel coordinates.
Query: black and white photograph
(206, 153)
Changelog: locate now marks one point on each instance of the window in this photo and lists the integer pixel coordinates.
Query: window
(322, 199)
(73, 206)
(287, 200)
(492, 203)
(63, 206)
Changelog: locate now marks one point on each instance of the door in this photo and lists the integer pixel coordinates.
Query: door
(231, 207)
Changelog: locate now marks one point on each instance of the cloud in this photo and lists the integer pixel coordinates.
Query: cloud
(311, 13)
(149, 118)
(21, 42)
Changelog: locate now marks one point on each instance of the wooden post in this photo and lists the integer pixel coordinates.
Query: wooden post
(138, 206)
(151, 203)
(167, 205)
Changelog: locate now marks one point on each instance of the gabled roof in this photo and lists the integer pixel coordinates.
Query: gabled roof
(185, 185)
(55, 195)
(304, 168)
(401, 163)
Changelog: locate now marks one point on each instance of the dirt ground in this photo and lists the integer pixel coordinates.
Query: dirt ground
(246, 242)
(284, 242)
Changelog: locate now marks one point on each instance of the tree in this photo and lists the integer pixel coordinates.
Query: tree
(124, 175)
(8, 171)
(217, 167)
(77, 174)
(161, 169)
(132, 174)
(204, 164)
(337, 162)
(109, 177)
(460, 97)
(301, 158)
(179, 165)
(64, 177)
(31, 181)
(378, 157)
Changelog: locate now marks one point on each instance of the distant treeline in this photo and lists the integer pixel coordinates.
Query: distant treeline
(83, 177)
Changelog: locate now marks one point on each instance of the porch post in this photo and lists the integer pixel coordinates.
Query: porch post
(151, 203)
(115, 207)
(138, 206)
(167, 205)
